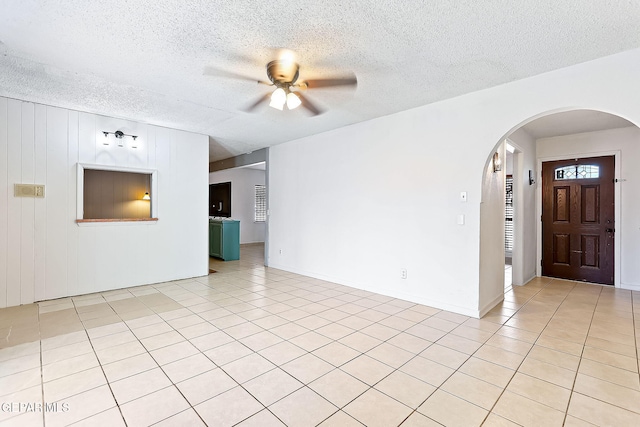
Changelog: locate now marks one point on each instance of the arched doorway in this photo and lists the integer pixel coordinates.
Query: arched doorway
(548, 137)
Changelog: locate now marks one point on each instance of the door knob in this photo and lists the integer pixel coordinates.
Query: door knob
(609, 230)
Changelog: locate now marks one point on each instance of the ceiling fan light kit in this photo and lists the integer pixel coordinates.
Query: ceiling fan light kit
(283, 73)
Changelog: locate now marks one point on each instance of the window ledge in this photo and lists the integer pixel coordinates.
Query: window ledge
(114, 220)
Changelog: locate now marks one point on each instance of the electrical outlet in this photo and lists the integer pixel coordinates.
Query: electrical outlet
(463, 196)
(280, 251)
(403, 273)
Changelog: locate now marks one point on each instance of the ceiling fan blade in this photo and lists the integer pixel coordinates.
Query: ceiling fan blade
(259, 101)
(336, 81)
(309, 105)
(217, 72)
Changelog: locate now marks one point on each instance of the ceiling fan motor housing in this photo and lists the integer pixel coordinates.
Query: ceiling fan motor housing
(283, 73)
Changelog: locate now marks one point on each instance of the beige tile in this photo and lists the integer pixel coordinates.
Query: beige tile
(499, 356)
(360, 342)
(307, 368)
(487, 371)
(113, 340)
(608, 392)
(109, 418)
(418, 420)
(69, 366)
(188, 367)
(510, 344)
(425, 332)
(600, 413)
(445, 356)
(494, 420)
(310, 341)
(153, 329)
(154, 407)
(161, 340)
(210, 340)
(32, 395)
(338, 387)
(367, 369)
(129, 366)
(20, 381)
(471, 389)
(19, 364)
(571, 421)
(405, 389)
(82, 406)
(119, 352)
(226, 353)
(263, 418)
(243, 330)
(427, 371)
(554, 357)
(248, 367)
(282, 353)
(185, 418)
(173, 352)
(302, 408)
(289, 330)
(527, 412)
(410, 342)
(139, 385)
(390, 355)
(548, 372)
(272, 386)
(61, 340)
(70, 385)
(569, 347)
(340, 419)
(261, 340)
(374, 408)
(452, 411)
(205, 386)
(334, 331)
(336, 353)
(609, 358)
(610, 373)
(540, 391)
(228, 408)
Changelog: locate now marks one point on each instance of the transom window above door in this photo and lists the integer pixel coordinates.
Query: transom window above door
(577, 172)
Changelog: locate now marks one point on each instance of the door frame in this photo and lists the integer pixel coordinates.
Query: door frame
(617, 212)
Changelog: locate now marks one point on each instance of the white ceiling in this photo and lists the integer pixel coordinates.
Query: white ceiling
(144, 59)
(571, 122)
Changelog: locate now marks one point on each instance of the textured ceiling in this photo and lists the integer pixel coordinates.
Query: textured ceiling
(144, 60)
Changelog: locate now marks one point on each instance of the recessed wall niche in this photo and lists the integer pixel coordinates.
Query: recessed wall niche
(109, 194)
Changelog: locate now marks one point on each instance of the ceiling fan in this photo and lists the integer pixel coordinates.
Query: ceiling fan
(283, 73)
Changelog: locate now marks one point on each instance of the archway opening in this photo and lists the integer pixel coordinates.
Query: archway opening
(549, 136)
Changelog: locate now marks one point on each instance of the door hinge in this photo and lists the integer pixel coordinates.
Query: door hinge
(540, 263)
(540, 218)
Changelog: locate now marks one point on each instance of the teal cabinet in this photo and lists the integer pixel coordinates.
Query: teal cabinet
(224, 239)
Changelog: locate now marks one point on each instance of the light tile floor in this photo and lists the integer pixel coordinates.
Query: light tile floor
(252, 346)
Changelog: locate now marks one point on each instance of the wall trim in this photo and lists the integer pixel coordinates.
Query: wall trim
(488, 307)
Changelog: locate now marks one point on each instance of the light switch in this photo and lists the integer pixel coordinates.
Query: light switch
(463, 196)
(461, 219)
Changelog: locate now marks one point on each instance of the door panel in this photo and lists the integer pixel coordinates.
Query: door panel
(578, 219)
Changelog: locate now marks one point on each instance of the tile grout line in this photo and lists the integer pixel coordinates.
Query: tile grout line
(575, 378)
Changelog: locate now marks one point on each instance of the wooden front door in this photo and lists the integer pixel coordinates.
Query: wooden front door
(578, 219)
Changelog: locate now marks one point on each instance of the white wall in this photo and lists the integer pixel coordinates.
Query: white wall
(592, 144)
(524, 267)
(243, 182)
(357, 204)
(492, 234)
(44, 254)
